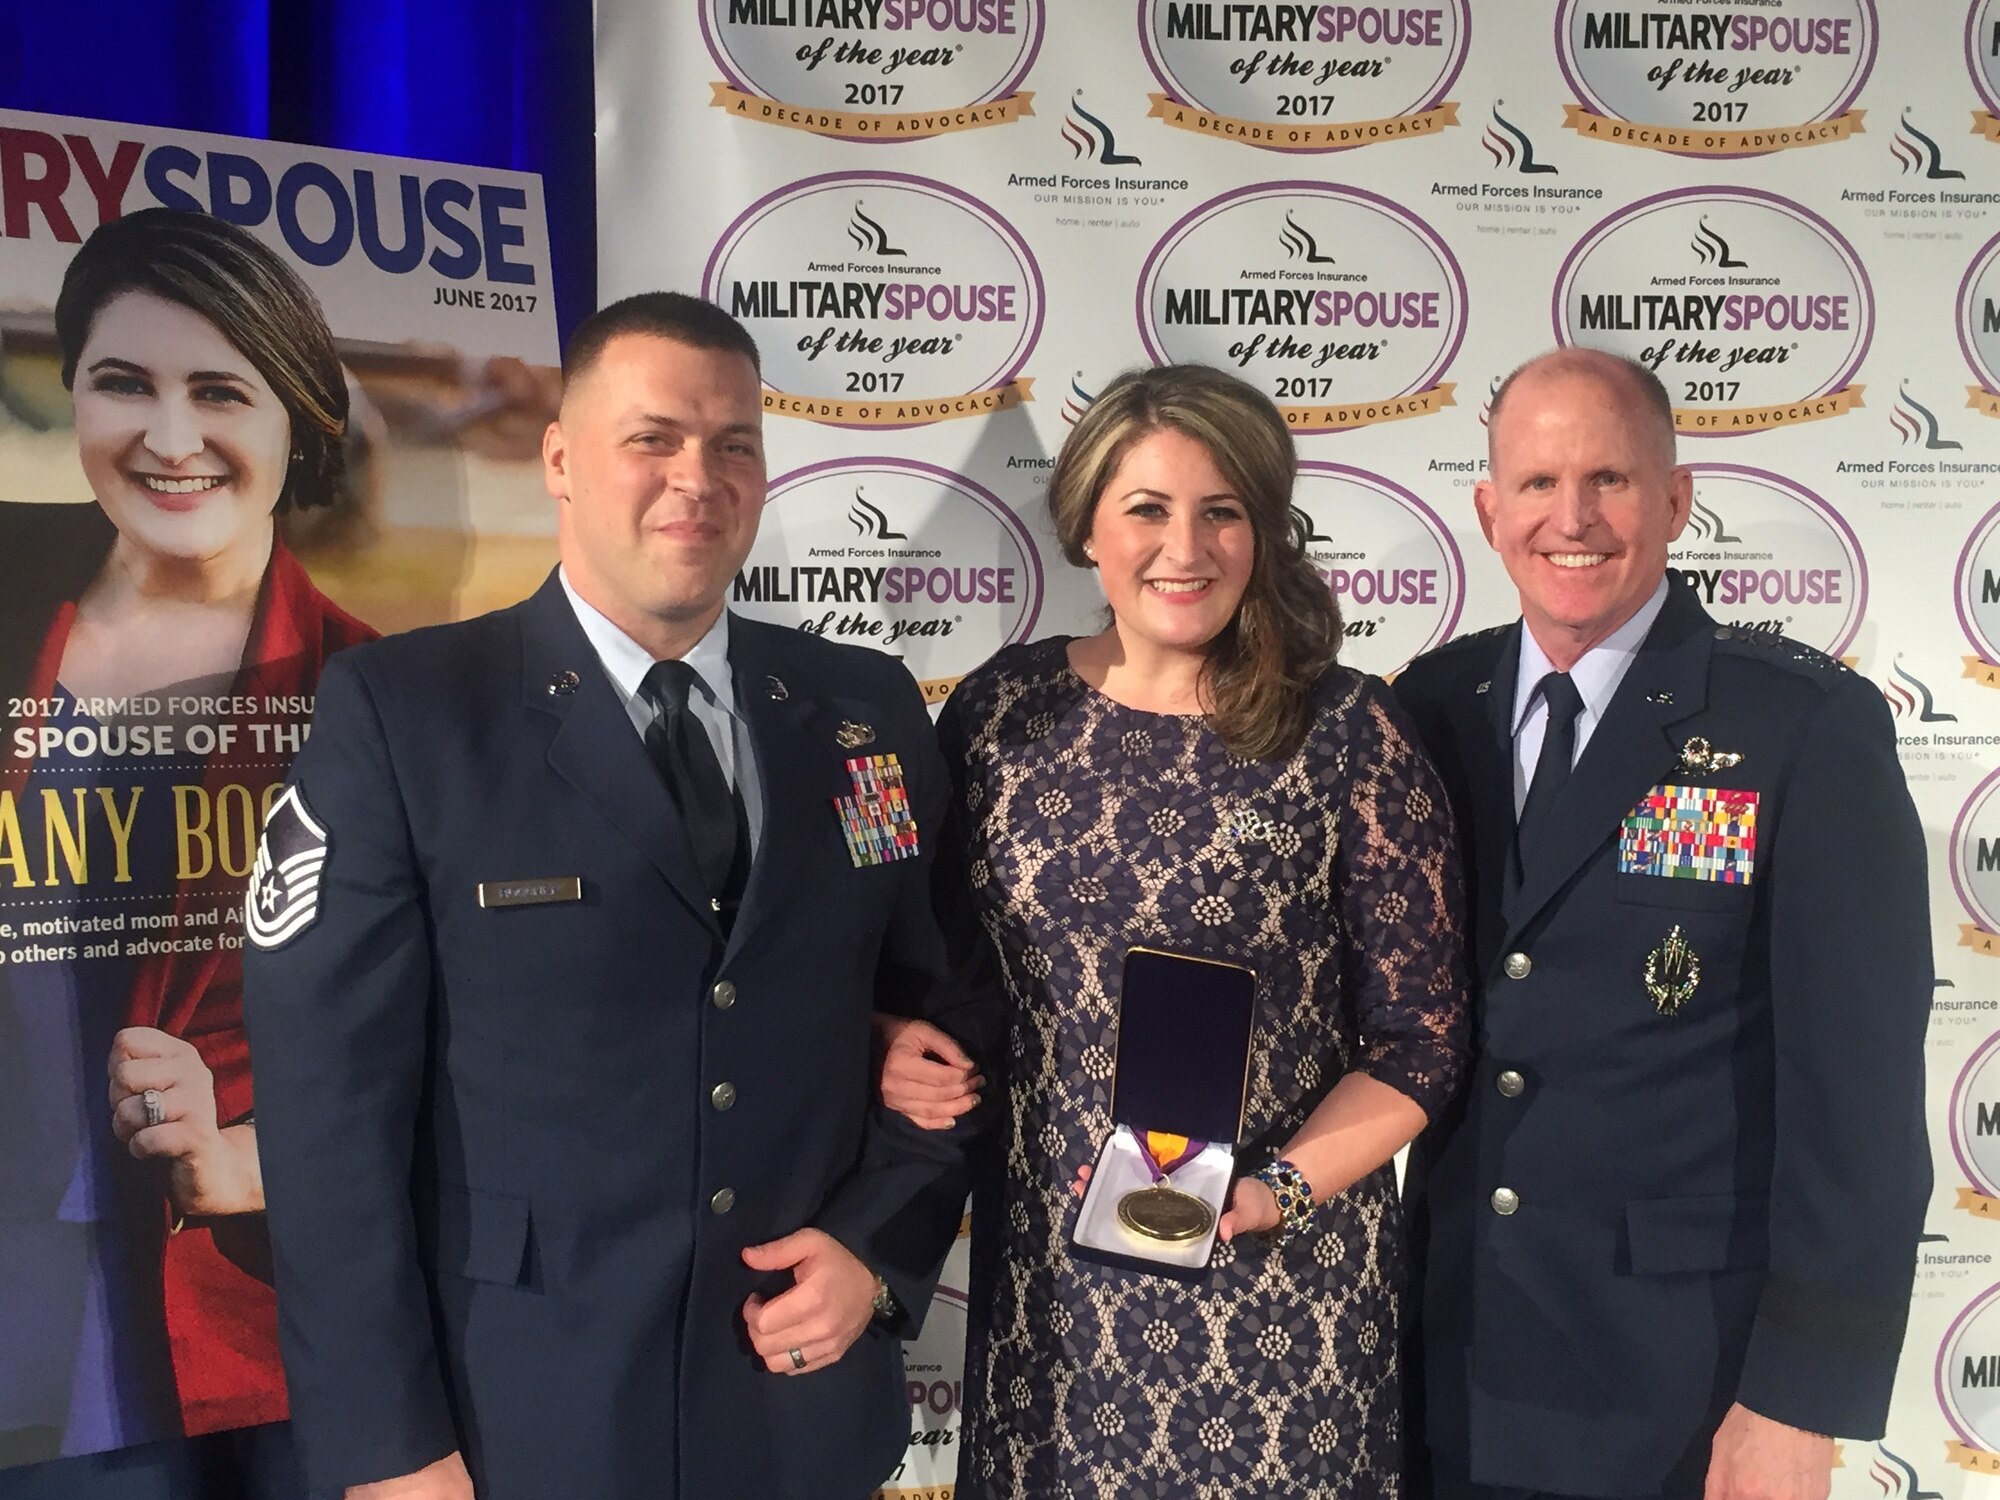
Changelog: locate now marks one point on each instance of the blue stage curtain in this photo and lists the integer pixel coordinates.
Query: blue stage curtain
(491, 83)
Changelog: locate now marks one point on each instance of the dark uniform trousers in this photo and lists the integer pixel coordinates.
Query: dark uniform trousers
(516, 1145)
(1660, 1194)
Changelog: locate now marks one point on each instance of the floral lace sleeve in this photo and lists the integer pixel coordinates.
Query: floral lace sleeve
(1401, 904)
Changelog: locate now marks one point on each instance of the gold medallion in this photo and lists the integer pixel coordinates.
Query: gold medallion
(1164, 1213)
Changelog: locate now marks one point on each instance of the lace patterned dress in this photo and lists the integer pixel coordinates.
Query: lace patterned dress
(1093, 827)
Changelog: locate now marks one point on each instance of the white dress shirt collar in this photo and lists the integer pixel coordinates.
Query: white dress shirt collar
(1597, 673)
(626, 662)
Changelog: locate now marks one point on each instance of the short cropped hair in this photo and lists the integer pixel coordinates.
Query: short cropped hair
(692, 321)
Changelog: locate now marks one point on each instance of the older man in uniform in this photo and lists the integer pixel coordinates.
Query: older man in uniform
(567, 933)
(1670, 1228)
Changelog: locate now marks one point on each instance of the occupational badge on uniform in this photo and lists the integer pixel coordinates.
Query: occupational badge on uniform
(1672, 971)
(1699, 758)
(852, 736)
(1691, 833)
(877, 821)
(283, 899)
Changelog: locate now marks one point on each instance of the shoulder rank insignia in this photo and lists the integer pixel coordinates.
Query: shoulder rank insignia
(1699, 758)
(1672, 971)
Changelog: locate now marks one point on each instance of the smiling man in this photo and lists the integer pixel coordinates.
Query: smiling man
(1669, 1230)
(566, 936)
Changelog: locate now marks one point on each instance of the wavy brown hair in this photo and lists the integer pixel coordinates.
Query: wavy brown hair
(1259, 675)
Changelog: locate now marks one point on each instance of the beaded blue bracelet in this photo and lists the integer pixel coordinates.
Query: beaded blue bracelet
(1295, 1198)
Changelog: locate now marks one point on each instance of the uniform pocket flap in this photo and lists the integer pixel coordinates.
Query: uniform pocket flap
(1715, 1232)
(484, 1236)
(1688, 895)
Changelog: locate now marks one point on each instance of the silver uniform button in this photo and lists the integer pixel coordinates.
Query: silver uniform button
(725, 1199)
(1505, 1201)
(723, 995)
(1510, 1084)
(1517, 966)
(722, 1095)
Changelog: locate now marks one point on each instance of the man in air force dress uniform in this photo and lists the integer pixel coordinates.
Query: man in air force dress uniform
(1672, 1222)
(566, 939)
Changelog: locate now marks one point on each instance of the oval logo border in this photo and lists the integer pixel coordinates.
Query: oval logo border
(1163, 76)
(1634, 211)
(1341, 191)
(1958, 1148)
(1960, 590)
(745, 221)
(1835, 523)
(1958, 829)
(1940, 1375)
(1031, 611)
(1429, 517)
(732, 70)
(1585, 96)
(1982, 259)
(1987, 95)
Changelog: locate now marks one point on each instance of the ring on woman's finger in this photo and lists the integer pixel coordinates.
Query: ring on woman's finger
(156, 1113)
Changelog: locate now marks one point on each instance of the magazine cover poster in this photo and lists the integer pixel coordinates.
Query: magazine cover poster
(258, 403)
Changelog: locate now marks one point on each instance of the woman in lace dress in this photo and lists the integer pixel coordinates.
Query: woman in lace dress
(1198, 776)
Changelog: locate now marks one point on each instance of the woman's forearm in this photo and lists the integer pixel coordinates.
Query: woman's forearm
(1358, 1126)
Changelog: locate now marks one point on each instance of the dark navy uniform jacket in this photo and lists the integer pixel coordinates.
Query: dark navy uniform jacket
(513, 1153)
(1632, 1218)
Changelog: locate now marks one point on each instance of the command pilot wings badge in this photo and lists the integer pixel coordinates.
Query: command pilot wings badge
(283, 898)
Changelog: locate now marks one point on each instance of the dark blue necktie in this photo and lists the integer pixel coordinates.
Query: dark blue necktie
(710, 809)
(1552, 766)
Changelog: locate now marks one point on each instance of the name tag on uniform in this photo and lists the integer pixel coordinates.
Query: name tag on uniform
(1691, 833)
(876, 821)
(494, 893)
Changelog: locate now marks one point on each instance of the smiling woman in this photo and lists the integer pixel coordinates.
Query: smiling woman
(208, 397)
(1200, 776)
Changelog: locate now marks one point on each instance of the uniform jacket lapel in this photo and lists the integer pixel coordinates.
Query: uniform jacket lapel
(1490, 796)
(594, 747)
(779, 707)
(1631, 750)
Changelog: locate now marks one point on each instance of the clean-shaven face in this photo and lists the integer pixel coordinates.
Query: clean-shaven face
(658, 462)
(184, 443)
(1172, 542)
(1581, 501)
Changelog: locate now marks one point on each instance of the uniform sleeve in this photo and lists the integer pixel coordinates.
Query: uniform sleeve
(1850, 996)
(1399, 889)
(339, 1014)
(899, 1210)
